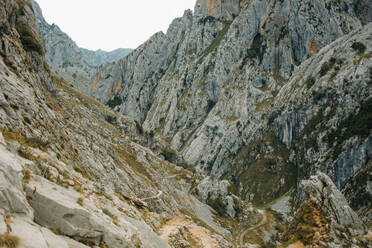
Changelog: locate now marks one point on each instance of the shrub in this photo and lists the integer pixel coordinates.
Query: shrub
(218, 205)
(26, 175)
(9, 241)
(26, 153)
(110, 119)
(28, 39)
(80, 201)
(359, 47)
(112, 103)
(326, 67)
(310, 81)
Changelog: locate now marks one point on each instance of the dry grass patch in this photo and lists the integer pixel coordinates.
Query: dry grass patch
(9, 241)
(80, 201)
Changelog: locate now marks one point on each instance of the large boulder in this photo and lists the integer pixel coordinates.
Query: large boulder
(56, 207)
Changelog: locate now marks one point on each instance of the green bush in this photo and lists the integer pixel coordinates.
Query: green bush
(326, 67)
(218, 205)
(111, 119)
(112, 103)
(310, 81)
(359, 47)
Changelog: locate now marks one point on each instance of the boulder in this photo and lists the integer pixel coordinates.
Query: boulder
(56, 207)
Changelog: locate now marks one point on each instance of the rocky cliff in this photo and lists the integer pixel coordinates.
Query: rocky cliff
(225, 9)
(67, 60)
(261, 98)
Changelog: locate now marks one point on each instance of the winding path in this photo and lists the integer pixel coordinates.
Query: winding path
(262, 222)
(153, 197)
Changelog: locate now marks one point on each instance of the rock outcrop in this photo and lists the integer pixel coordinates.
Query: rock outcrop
(325, 219)
(225, 9)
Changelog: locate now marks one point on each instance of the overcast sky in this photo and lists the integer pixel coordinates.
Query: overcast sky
(111, 24)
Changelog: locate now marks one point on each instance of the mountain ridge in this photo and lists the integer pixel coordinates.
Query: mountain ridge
(67, 60)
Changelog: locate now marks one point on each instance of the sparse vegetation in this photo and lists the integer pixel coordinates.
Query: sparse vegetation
(25, 152)
(307, 222)
(9, 64)
(357, 124)
(80, 201)
(28, 39)
(9, 241)
(26, 175)
(216, 42)
(107, 212)
(114, 218)
(111, 119)
(86, 173)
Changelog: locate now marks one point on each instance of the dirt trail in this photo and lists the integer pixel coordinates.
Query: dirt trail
(198, 234)
(153, 197)
(262, 222)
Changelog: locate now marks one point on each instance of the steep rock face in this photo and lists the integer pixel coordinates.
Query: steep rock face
(236, 97)
(218, 8)
(72, 171)
(67, 60)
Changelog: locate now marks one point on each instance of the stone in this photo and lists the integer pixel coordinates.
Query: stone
(56, 207)
(12, 197)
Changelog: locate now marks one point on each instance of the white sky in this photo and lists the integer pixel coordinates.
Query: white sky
(111, 24)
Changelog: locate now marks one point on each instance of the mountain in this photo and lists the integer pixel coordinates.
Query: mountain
(260, 93)
(248, 124)
(74, 173)
(100, 57)
(67, 60)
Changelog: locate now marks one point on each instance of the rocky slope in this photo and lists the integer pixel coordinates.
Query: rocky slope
(73, 172)
(259, 93)
(67, 60)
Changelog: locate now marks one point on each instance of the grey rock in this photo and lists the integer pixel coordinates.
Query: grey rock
(322, 191)
(12, 197)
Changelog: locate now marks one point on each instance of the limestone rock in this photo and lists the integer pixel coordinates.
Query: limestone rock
(322, 191)
(12, 197)
(217, 8)
(57, 208)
